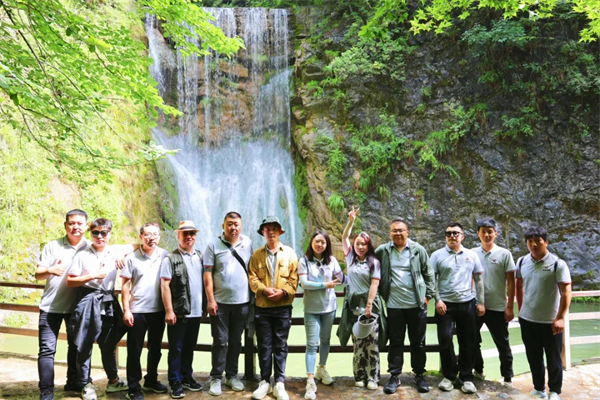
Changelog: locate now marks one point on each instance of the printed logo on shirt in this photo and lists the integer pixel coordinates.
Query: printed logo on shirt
(547, 268)
(495, 261)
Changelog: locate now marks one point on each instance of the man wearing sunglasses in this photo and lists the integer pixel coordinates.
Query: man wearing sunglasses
(143, 311)
(499, 277)
(456, 268)
(97, 317)
(58, 301)
(407, 284)
(181, 287)
(226, 281)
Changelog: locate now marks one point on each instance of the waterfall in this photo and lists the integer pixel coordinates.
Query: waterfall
(234, 135)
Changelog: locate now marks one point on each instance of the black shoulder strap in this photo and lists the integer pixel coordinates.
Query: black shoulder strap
(519, 263)
(235, 254)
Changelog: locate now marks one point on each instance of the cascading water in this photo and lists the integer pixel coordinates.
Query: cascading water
(234, 135)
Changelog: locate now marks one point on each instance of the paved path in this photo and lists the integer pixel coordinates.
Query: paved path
(19, 379)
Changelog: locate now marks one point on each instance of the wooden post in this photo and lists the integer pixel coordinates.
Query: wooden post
(249, 365)
(566, 348)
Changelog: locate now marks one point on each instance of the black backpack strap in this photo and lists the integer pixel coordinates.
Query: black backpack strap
(235, 254)
(519, 263)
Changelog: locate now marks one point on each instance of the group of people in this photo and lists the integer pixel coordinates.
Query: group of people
(387, 292)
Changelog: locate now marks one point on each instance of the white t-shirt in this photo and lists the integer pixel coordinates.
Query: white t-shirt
(541, 294)
(496, 264)
(359, 273)
(194, 270)
(322, 300)
(144, 272)
(455, 273)
(90, 262)
(402, 288)
(58, 297)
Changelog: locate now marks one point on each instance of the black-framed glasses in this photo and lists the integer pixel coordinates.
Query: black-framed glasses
(453, 233)
(100, 233)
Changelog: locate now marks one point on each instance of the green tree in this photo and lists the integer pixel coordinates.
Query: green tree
(63, 63)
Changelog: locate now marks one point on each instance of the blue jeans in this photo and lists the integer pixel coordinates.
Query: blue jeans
(183, 336)
(318, 327)
(49, 326)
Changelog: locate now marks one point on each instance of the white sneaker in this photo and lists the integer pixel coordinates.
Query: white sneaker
(371, 385)
(235, 384)
(311, 390)
(215, 387)
(263, 389)
(323, 376)
(280, 392)
(539, 394)
(446, 385)
(119, 386)
(554, 396)
(359, 384)
(468, 387)
(89, 392)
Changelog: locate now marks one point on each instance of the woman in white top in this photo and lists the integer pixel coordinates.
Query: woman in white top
(364, 274)
(319, 274)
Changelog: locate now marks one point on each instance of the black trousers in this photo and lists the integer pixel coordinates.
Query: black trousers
(227, 328)
(498, 328)
(272, 330)
(416, 321)
(538, 338)
(463, 315)
(49, 327)
(154, 324)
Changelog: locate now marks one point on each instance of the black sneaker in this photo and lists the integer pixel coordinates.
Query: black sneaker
(135, 396)
(155, 387)
(191, 385)
(391, 385)
(422, 385)
(72, 387)
(177, 390)
(46, 394)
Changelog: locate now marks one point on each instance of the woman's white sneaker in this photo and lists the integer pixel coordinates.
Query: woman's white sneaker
(311, 390)
(323, 376)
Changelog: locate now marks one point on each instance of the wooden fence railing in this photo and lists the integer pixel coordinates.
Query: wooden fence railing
(249, 348)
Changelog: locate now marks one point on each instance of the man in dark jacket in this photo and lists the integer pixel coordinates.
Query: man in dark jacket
(407, 284)
(181, 286)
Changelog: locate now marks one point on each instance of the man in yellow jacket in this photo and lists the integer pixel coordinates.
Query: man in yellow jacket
(273, 277)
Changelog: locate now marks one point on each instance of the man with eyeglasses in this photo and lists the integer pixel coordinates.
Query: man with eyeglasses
(455, 304)
(98, 315)
(143, 311)
(499, 277)
(181, 287)
(407, 284)
(226, 282)
(543, 296)
(58, 301)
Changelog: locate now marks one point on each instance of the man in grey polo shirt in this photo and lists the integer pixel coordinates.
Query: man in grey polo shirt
(58, 301)
(226, 282)
(456, 267)
(143, 311)
(498, 276)
(407, 284)
(543, 297)
(181, 287)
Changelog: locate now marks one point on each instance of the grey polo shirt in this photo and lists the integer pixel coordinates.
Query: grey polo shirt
(455, 272)
(402, 288)
(230, 280)
(144, 272)
(321, 300)
(359, 274)
(90, 261)
(496, 264)
(541, 294)
(194, 270)
(58, 297)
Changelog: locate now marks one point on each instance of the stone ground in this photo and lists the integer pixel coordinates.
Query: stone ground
(18, 380)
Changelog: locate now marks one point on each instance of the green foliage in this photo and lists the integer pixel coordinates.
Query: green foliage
(336, 203)
(64, 63)
(336, 161)
(15, 320)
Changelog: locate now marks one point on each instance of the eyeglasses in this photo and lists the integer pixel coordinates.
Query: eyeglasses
(189, 233)
(398, 230)
(453, 233)
(100, 233)
(151, 235)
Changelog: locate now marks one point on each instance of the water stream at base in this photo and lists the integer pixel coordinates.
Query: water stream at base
(234, 135)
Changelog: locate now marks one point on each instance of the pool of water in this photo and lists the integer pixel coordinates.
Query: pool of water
(340, 364)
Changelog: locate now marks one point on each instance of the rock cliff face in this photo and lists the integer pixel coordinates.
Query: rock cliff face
(549, 177)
